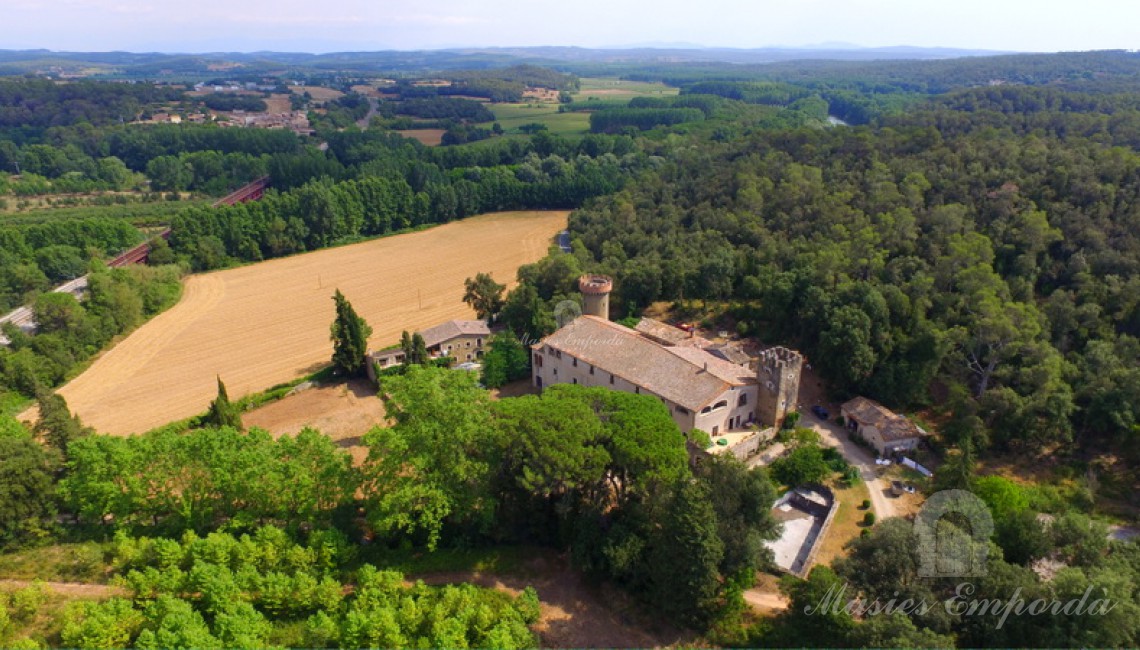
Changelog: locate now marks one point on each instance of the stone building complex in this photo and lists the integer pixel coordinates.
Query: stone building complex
(702, 389)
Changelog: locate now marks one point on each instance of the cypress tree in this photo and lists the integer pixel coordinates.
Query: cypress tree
(223, 413)
(350, 338)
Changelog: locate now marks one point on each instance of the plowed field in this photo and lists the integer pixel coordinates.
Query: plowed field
(267, 323)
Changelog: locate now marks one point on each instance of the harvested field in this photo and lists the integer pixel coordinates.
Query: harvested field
(319, 93)
(430, 137)
(343, 412)
(278, 104)
(266, 323)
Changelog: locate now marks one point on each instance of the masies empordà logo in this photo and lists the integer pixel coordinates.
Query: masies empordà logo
(951, 534)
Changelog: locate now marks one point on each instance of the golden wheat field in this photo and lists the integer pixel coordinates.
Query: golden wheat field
(267, 323)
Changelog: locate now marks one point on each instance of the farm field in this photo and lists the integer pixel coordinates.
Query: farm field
(512, 116)
(614, 88)
(319, 93)
(344, 412)
(430, 137)
(263, 324)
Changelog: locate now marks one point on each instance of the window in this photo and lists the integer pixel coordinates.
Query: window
(706, 409)
(591, 369)
(721, 404)
(611, 380)
(575, 362)
(556, 372)
(743, 399)
(558, 353)
(637, 389)
(575, 380)
(682, 410)
(479, 342)
(538, 359)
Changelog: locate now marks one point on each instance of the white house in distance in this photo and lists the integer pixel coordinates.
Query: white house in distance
(887, 431)
(702, 391)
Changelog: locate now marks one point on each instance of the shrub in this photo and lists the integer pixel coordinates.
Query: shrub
(866, 504)
(869, 519)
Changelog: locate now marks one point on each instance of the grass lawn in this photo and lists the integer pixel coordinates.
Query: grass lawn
(847, 525)
(81, 562)
(512, 116)
(614, 88)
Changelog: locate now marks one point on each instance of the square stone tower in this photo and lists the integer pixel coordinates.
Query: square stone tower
(779, 375)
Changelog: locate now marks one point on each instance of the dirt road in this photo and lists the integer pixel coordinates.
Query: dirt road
(833, 435)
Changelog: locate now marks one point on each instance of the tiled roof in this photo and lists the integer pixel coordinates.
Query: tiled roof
(444, 332)
(731, 352)
(661, 332)
(678, 374)
(891, 425)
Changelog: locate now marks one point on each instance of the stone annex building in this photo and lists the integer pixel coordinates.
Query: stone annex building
(699, 382)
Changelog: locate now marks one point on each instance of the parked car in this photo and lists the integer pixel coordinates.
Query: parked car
(819, 412)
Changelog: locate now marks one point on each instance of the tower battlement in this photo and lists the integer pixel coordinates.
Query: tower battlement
(596, 294)
(778, 373)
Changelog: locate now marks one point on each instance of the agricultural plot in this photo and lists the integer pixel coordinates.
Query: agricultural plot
(263, 324)
(512, 116)
(614, 88)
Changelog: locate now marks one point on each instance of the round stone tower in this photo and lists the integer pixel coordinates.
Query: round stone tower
(596, 295)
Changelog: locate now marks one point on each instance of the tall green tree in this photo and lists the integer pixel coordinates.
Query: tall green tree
(58, 427)
(505, 361)
(26, 491)
(350, 338)
(484, 295)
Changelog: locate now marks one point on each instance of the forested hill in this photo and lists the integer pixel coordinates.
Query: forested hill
(987, 244)
(1103, 71)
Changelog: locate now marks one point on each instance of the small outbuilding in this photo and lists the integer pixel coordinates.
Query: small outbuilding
(887, 431)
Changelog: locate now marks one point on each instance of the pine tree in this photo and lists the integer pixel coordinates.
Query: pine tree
(350, 338)
(223, 413)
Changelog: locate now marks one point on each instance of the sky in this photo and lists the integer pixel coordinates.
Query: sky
(343, 25)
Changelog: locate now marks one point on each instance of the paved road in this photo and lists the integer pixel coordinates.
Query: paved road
(833, 435)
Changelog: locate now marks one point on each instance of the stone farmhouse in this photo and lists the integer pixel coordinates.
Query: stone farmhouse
(463, 340)
(887, 431)
(702, 390)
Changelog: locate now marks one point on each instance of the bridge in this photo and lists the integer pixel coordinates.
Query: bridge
(252, 191)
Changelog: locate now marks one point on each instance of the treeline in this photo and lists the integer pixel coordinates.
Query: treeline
(234, 102)
(211, 172)
(36, 256)
(30, 106)
(208, 159)
(71, 331)
(439, 108)
(340, 113)
(953, 248)
(602, 474)
(616, 120)
(321, 213)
